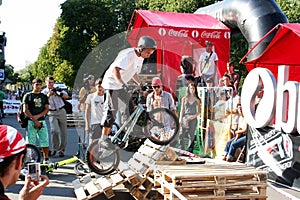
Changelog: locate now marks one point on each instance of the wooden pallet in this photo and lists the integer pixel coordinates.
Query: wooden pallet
(89, 187)
(135, 175)
(211, 181)
(175, 179)
(75, 119)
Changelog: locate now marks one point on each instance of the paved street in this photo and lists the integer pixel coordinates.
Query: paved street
(61, 179)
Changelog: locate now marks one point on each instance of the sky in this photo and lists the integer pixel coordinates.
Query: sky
(28, 25)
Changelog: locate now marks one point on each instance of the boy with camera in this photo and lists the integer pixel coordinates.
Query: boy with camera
(12, 156)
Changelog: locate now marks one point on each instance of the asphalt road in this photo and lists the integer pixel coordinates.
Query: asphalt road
(61, 187)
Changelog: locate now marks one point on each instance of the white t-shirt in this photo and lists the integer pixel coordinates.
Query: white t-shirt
(129, 63)
(231, 104)
(210, 67)
(97, 107)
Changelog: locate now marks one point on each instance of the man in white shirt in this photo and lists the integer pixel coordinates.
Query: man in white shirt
(57, 116)
(125, 67)
(208, 65)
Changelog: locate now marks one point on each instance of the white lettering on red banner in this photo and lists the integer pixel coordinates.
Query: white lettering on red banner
(282, 97)
(211, 35)
(162, 31)
(195, 34)
(181, 33)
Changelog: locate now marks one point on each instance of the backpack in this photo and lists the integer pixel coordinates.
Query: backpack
(68, 107)
(21, 117)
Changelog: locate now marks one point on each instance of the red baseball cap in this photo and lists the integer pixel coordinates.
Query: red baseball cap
(11, 142)
(156, 81)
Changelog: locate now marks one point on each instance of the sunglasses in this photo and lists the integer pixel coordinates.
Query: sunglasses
(155, 86)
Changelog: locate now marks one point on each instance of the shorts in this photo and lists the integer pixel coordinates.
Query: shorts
(41, 134)
(96, 131)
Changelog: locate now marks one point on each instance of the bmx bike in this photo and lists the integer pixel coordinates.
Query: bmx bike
(159, 125)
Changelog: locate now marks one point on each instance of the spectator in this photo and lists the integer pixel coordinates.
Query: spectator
(186, 68)
(36, 108)
(208, 65)
(2, 95)
(232, 108)
(159, 98)
(125, 67)
(219, 107)
(239, 139)
(12, 156)
(94, 111)
(189, 111)
(88, 88)
(13, 96)
(19, 94)
(57, 116)
(210, 98)
(234, 77)
(226, 81)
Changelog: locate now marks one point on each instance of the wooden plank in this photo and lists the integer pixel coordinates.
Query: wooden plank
(92, 189)
(106, 186)
(79, 191)
(117, 179)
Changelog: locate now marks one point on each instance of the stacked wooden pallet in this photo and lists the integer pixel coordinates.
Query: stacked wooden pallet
(211, 181)
(75, 119)
(157, 169)
(135, 175)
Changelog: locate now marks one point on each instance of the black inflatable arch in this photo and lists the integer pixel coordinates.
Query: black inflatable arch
(252, 18)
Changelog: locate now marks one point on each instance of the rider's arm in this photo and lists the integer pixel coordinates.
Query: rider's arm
(136, 79)
(117, 75)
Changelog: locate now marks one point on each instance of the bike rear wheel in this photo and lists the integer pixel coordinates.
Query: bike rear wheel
(102, 157)
(162, 126)
(33, 154)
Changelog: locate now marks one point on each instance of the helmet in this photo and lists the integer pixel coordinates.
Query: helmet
(146, 42)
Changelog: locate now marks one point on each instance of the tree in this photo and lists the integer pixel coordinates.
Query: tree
(173, 5)
(291, 9)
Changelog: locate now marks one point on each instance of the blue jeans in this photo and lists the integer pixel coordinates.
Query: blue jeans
(232, 146)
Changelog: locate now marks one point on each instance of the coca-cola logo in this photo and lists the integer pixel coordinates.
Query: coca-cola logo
(211, 35)
(181, 33)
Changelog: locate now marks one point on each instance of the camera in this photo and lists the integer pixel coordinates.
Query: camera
(34, 170)
(57, 91)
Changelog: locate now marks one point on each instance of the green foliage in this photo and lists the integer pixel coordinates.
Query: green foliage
(69, 52)
(291, 8)
(188, 6)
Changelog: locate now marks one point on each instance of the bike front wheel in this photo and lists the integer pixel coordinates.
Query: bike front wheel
(102, 157)
(162, 126)
(81, 169)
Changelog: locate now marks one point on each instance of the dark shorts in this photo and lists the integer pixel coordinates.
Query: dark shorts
(96, 131)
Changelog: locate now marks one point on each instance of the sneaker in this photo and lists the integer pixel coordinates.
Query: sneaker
(46, 162)
(61, 154)
(52, 153)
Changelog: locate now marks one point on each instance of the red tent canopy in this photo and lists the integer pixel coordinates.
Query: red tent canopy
(282, 50)
(179, 34)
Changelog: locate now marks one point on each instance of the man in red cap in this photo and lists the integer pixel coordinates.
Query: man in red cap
(159, 98)
(12, 155)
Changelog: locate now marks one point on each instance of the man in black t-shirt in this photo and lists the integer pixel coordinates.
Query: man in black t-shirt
(36, 108)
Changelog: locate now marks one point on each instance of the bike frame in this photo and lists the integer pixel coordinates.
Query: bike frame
(133, 119)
